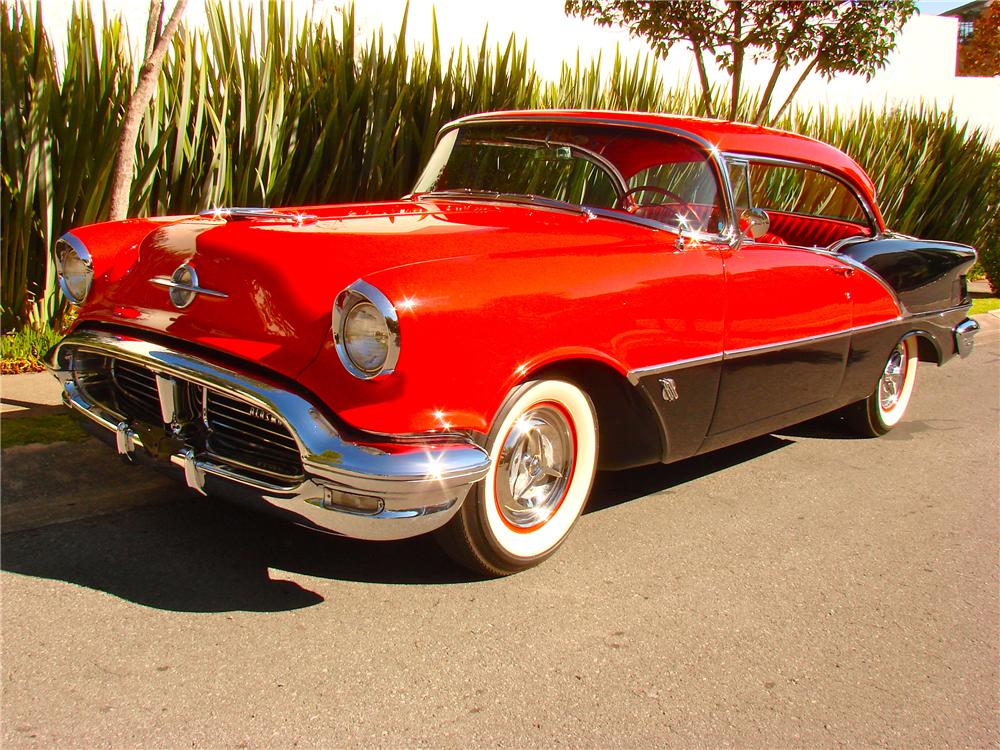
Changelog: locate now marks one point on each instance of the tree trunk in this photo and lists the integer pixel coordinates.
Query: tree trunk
(124, 166)
(706, 87)
(795, 89)
(738, 51)
(765, 101)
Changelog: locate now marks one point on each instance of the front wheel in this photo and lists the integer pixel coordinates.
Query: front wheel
(543, 454)
(883, 409)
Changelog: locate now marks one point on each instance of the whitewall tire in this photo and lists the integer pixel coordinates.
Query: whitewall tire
(543, 455)
(884, 408)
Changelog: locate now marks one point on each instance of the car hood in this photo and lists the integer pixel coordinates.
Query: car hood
(279, 277)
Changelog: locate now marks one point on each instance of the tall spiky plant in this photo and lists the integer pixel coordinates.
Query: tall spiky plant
(254, 110)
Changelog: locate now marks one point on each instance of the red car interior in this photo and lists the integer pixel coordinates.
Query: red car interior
(809, 231)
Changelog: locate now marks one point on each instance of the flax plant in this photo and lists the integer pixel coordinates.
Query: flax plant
(255, 109)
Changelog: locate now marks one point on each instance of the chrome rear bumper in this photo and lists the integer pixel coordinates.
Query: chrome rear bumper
(382, 489)
(965, 336)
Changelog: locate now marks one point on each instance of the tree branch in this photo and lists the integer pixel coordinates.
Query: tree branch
(780, 64)
(795, 89)
(124, 166)
(154, 26)
(706, 87)
(738, 52)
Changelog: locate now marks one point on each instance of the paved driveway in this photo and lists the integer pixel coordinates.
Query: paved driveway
(802, 589)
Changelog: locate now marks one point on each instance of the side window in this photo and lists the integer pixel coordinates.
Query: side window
(803, 191)
(739, 179)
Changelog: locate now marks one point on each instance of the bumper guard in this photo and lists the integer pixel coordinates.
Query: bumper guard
(405, 487)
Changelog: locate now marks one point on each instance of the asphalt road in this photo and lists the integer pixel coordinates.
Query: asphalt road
(800, 590)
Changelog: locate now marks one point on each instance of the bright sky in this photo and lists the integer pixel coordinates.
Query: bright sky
(937, 7)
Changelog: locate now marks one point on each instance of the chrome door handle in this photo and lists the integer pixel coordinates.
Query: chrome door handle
(842, 271)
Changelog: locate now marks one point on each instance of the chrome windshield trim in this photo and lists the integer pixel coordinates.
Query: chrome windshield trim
(728, 234)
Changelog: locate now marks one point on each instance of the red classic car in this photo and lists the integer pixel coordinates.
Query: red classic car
(564, 291)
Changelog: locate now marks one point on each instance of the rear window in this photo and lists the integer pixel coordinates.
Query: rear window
(803, 191)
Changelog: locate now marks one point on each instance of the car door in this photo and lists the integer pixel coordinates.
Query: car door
(788, 308)
(788, 315)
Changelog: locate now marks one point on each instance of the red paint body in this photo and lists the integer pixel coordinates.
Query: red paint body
(486, 293)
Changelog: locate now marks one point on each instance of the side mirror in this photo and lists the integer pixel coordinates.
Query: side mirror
(754, 223)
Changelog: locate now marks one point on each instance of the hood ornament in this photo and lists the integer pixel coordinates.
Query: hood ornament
(183, 286)
(242, 213)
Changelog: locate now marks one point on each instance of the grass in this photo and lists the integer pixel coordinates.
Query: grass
(48, 428)
(22, 351)
(984, 304)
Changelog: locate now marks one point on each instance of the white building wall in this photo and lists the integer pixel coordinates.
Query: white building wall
(921, 69)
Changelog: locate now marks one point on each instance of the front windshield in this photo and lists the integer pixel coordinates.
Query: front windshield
(655, 177)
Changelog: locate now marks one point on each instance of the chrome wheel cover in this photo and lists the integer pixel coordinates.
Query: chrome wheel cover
(535, 467)
(890, 387)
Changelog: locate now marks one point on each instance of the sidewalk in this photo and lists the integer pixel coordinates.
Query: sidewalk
(42, 484)
(31, 394)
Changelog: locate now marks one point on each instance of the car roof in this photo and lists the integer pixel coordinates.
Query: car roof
(723, 135)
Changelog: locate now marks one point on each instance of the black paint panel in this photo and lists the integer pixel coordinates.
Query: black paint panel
(926, 275)
(759, 386)
(756, 394)
(686, 420)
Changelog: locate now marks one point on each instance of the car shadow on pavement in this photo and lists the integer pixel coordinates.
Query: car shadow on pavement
(616, 487)
(196, 555)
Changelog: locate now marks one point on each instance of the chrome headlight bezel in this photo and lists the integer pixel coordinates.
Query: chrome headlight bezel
(361, 292)
(66, 247)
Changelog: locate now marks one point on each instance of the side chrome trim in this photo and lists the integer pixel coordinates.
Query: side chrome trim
(635, 375)
(857, 265)
(640, 372)
(792, 343)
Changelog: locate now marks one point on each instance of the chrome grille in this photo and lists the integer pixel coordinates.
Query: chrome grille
(243, 437)
(135, 391)
(249, 435)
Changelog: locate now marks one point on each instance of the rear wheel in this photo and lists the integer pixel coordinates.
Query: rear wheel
(883, 409)
(543, 454)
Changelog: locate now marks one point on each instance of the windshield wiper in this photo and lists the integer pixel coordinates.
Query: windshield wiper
(520, 198)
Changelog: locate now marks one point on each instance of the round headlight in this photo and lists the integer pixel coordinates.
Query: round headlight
(365, 331)
(74, 267)
(366, 337)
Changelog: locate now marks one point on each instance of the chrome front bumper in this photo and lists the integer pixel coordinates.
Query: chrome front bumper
(383, 489)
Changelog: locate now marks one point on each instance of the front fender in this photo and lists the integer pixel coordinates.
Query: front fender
(472, 328)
